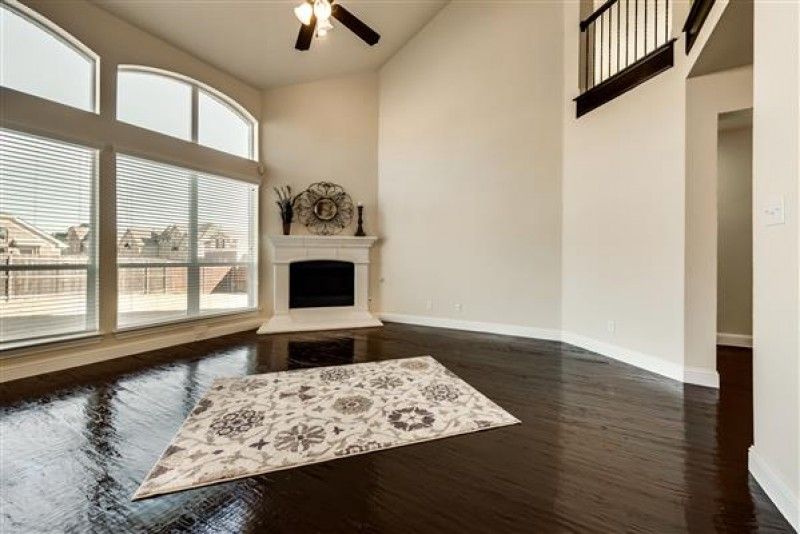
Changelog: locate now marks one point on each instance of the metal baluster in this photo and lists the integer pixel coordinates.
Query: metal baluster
(610, 20)
(645, 27)
(636, 30)
(602, 27)
(594, 51)
(627, 32)
(618, 34)
(655, 23)
(586, 58)
(666, 20)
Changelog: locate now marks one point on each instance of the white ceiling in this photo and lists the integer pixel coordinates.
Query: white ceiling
(254, 39)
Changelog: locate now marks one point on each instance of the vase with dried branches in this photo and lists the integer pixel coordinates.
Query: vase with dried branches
(285, 203)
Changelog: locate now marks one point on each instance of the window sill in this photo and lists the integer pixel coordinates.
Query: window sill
(13, 348)
(29, 347)
(133, 330)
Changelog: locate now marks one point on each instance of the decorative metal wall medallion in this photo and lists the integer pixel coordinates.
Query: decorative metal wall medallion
(324, 208)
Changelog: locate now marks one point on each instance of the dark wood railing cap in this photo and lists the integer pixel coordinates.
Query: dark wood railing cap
(597, 14)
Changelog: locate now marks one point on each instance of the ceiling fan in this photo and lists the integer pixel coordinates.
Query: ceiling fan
(315, 18)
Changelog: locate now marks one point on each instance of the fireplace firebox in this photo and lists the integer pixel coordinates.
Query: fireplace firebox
(321, 284)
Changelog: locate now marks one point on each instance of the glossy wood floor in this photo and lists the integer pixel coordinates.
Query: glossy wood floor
(603, 447)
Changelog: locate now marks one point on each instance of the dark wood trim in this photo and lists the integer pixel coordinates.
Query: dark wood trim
(655, 62)
(597, 13)
(695, 20)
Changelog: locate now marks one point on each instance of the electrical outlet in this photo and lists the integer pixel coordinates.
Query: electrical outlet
(429, 305)
(611, 326)
(457, 306)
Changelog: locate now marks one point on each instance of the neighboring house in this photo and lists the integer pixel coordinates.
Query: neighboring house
(21, 239)
(77, 239)
(214, 244)
(133, 240)
(173, 243)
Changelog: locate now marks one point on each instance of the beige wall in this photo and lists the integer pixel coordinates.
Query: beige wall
(470, 150)
(623, 222)
(117, 42)
(735, 232)
(326, 130)
(706, 97)
(775, 457)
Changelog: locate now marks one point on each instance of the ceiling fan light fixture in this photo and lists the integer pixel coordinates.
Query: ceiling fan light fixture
(303, 12)
(323, 28)
(322, 10)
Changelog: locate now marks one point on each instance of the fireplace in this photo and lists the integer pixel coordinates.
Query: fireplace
(321, 284)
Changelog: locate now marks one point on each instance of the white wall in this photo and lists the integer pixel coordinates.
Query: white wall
(706, 97)
(470, 150)
(623, 222)
(775, 457)
(321, 131)
(735, 232)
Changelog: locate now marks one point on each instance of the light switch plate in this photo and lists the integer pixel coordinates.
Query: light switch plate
(774, 211)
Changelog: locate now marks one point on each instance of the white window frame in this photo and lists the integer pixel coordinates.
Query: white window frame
(67, 38)
(196, 87)
(193, 265)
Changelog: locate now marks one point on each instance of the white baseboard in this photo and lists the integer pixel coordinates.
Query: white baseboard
(648, 362)
(655, 364)
(775, 488)
(701, 377)
(130, 343)
(644, 361)
(474, 326)
(734, 340)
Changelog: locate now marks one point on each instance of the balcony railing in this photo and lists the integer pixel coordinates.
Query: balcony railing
(624, 42)
(694, 21)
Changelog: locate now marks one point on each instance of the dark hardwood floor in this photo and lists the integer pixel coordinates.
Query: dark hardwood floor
(603, 447)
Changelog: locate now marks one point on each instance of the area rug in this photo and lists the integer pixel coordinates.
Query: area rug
(261, 423)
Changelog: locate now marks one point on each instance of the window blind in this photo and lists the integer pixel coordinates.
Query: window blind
(185, 243)
(48, 254)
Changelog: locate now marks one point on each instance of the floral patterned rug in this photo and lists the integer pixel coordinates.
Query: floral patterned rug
(256, 424)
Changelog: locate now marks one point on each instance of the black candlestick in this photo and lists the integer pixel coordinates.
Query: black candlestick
(360, 229)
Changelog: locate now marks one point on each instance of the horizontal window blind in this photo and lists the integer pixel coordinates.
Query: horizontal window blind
(48, 257)
(185, 243)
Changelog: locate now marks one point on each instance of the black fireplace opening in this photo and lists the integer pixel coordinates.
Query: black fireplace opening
(321, 284)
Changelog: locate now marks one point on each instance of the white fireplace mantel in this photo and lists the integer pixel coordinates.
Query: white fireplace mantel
(289, 249)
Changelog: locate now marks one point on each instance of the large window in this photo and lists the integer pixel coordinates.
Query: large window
(186, 243)
(180, 107)
(48, 274)
(38, 58)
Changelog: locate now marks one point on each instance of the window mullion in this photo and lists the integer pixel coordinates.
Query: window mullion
(193, 272)
(252, 269)
(195, 113)
(91, 254)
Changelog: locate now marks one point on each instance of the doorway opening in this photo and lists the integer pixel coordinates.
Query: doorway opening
(735, 275)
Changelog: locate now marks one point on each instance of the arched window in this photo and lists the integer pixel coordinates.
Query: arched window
(39, 58)
(178, 106)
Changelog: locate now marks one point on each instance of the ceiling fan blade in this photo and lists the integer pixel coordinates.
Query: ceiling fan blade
(306, 34)
(366, 33)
